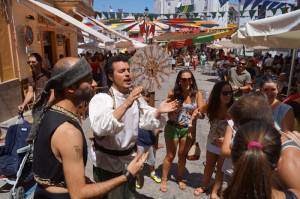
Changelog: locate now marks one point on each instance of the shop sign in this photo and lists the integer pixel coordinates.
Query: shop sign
(28, 35)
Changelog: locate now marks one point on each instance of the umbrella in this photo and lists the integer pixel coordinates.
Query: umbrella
(150, 67)
(280, 31)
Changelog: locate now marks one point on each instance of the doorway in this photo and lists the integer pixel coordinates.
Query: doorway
(48, 43)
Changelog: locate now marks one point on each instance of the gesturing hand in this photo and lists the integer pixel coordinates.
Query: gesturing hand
(136, 165)
(135, 94)
(168, 106)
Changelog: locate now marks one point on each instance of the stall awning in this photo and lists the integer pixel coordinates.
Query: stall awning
(68, 18)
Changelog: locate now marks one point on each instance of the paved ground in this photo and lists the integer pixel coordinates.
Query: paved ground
(193, 174)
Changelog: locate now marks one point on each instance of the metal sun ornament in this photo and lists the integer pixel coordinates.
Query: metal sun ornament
(150, 67)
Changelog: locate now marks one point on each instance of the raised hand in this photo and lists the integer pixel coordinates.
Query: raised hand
(168, 106)
(135, 94)
(136, 165)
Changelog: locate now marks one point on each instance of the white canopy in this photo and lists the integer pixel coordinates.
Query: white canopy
(280, 31)
(118, 45)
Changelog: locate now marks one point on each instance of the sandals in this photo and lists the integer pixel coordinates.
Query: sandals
(163, 185)
(199, 191)
(181, 184)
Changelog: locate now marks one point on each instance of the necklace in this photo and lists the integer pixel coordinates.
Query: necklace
(63, 111)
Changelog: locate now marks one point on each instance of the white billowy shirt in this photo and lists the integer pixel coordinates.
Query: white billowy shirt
(118, 135)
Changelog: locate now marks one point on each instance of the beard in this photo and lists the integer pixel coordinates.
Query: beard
(84, 95)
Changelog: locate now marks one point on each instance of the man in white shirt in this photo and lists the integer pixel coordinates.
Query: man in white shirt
(115, 118)
(269, 61)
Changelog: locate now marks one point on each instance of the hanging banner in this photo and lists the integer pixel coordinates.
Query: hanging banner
(106, 15)
(231, 12)
(167, 15)
(119, 15)
(100, 15)
(136, 16)
(252, 12)
(284, 10)
(195, 14)
(155, 16)
(242, 12)
(112, 15)
(222, 13)
(205, 13)
(151, 16)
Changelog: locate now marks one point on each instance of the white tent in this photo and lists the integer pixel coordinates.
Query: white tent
(280, 31)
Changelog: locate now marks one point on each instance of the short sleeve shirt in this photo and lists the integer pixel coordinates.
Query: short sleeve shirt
(239, 80)
(38, 82)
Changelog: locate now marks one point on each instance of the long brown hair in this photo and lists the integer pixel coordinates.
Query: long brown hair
(214, 102)
(178, 89)
(253, 166)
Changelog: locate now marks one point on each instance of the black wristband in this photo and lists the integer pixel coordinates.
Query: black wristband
(128, 175)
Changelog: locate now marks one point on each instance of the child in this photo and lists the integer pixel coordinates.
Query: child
(148, 141)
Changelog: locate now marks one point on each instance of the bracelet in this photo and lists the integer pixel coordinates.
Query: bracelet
(128, 175)
(190, 125)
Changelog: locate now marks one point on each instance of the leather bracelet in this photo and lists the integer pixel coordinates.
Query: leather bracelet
(128, 175)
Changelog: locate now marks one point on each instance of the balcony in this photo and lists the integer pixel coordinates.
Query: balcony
(85, 6)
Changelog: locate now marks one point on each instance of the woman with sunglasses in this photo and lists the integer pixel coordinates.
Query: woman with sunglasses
(282, 113)
(220, 99)
(181, 125)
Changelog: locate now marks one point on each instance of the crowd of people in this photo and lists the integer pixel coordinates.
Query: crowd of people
(252, 141)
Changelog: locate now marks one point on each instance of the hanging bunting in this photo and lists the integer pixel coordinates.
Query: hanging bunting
(112, 15)
(252, 12)
(256, 2)
(142, 29)
(265, 4)
(167, 15)
(95, 14)
(231, 12)
(222, 2)
(273, 5)
(175, 16)
(187, 15)
(151, 16)
(213, 14)
(119, 15)
(242, 12)
(186, 9)
(126, 14)
(284, 10)
(152, 29)
(205, 13)
(222, 13)
(106, 15)
(246, 4)
(274, 10)
(100, 15)
(155, 16)
(136, 16)
(195, 14)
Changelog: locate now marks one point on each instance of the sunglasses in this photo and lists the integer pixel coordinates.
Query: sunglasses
(186, 79)
(225, 93)
(31, 62)
(244, 64)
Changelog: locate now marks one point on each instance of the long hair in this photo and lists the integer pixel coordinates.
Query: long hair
(214, 102)
(178, 89)
(253, 167)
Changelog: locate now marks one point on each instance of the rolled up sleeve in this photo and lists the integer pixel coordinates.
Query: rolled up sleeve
(103, 122)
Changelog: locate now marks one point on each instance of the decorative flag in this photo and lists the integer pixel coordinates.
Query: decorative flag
(151, 16)
(148, 27)
(112, 15)
(284, 10)
(167, 15)
(130, 27)
(95, 15)
(119, 15)
(205, 13)
(252, 12)
(256, 2)
(273, 5)
(242, 12)
(126, 14)
(187, 15)
(136, 16)
(142, 29)
(195, 14)
(186, 9)
(155, 16)
(100, 15)
(222, 13)
(152, 29)
(246, 4)
(106, 15)
(265, 4)
(274, 10)
(230, 12)
(175, 16)
(213, 14)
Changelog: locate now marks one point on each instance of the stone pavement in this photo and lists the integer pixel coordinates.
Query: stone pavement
(193, 174)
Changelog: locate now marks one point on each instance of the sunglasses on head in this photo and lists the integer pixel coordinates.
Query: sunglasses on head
(244, 64)
(225, 93)
(31, 62)
(186, 79)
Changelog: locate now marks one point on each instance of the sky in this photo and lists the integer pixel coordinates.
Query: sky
(136, 6)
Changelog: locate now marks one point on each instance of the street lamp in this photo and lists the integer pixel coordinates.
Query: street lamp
(146, 15)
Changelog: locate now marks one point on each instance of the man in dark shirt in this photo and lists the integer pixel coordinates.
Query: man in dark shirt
(37, 77)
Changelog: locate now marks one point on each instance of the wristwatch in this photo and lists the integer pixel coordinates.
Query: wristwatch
(128, 175)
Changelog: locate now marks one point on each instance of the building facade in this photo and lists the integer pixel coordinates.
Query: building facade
(25, 28)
